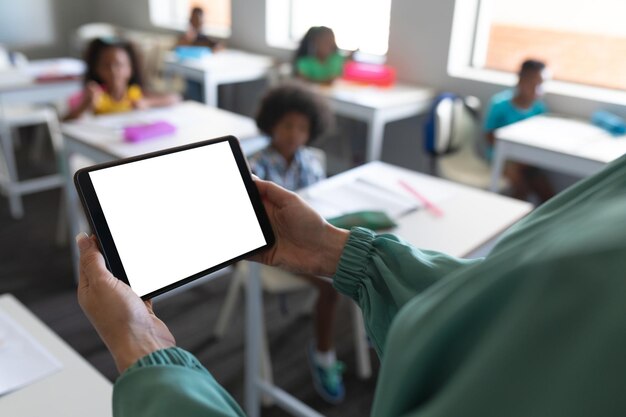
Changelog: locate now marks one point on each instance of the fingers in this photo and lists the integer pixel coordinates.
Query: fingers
(272, 192)
(92, 263)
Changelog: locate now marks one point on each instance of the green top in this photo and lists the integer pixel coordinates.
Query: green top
(538, 328)
(313, 69)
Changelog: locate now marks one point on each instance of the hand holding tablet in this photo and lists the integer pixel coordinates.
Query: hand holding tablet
(167, 218)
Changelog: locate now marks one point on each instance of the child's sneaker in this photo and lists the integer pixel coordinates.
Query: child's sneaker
(328, 381)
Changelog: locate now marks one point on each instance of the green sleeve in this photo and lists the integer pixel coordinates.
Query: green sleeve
(381, 273)
(171, 382)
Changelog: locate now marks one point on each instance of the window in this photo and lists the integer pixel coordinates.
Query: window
(174, 14)
(583, 42)
(358, 24)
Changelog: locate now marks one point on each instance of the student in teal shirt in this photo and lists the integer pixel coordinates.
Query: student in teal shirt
(537, 328)
(317, 58)
(512, 106)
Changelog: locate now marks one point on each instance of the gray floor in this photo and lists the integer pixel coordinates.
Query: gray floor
(38, 273)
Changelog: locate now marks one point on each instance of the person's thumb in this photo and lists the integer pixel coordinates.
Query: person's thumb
(273, 192)
(91, 261)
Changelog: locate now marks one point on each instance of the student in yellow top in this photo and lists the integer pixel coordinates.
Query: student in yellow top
(317, 58)
(113, 81)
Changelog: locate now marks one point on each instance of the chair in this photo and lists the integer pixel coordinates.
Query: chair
(10, 120)
(451, 132)
(153, 49)
(277, 281)
(89, 31)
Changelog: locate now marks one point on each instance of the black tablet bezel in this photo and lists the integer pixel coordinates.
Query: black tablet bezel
(100, 228)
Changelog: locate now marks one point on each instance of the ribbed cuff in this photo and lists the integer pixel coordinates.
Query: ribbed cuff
(169, 356)
(353, 261)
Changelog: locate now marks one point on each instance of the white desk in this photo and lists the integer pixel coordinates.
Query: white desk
(376, 106)
(472, 218)
(564, 145)
(223, 67)
(100, 139)
(77, 390)
(19, 87)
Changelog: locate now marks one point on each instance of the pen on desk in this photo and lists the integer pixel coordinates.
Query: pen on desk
(427, 203)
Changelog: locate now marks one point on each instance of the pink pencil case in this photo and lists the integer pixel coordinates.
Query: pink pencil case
(138, 133)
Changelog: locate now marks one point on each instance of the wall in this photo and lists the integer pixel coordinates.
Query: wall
(66, 16)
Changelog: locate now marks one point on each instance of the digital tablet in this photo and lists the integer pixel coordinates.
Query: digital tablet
(167, 218)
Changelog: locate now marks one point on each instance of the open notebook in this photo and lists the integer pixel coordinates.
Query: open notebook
(361, 194)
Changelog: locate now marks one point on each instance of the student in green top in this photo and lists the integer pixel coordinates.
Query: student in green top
(537, 328)
(317, 58)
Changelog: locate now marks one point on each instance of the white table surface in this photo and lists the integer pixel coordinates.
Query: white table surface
(565, 145)
(223, 67)
(374, 97)
(78, 390)
(376, 106)
(471, 218)
(19, 86)
(194, 122)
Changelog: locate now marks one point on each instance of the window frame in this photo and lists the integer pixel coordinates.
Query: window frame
(209, 30)
(275, 17)
(468, 46)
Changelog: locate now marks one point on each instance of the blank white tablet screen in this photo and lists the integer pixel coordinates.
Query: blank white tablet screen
(177, 215)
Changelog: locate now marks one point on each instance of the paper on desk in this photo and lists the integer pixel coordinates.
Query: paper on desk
(23, 360)
(377, 189)
(429, 187)
(360, 195)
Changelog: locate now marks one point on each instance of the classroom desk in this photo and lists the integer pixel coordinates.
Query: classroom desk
(376, 106)
(36, 83)
(20, 87)
(472, 218)
(77, 390)
(223, 67)
(570, 146)
(99, 139)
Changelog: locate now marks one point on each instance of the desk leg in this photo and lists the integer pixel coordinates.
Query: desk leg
(498, 166)
(209, 89)
(71, 204)
(15, 199)
(364, 366)
(375, 136)
(254, 312)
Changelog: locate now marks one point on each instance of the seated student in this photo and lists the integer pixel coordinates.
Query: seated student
(512, 106)
(317, 58)
(194, 35)
(293, 117)
(113, 81)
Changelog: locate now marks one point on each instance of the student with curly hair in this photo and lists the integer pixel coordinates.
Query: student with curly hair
(293, 117)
